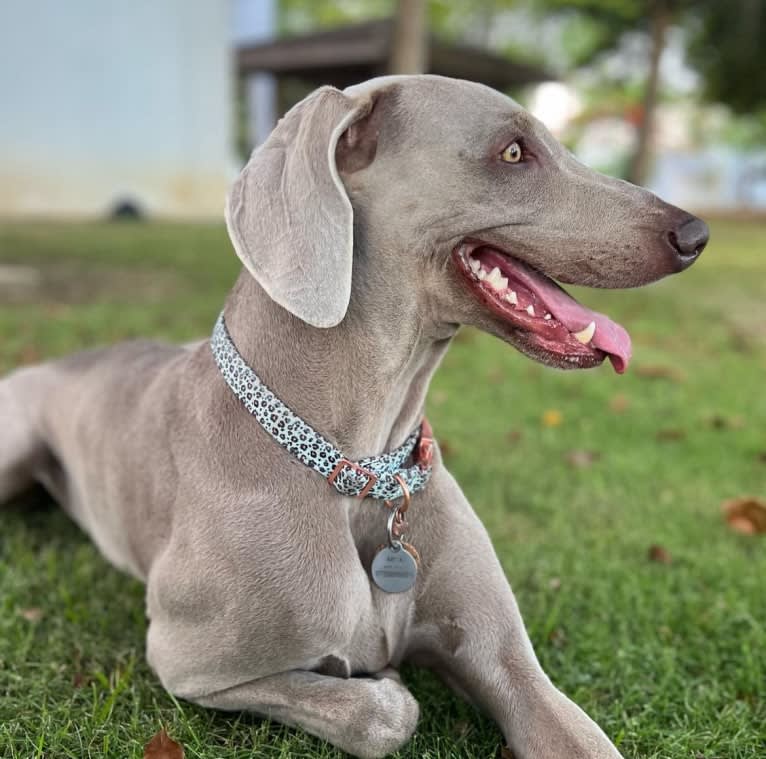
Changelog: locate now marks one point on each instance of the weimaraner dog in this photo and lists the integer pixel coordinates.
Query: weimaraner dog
(371, 224)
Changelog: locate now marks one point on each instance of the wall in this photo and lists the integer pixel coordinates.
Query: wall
(102, 101)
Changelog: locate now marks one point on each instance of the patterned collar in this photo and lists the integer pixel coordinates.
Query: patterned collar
(376, 476)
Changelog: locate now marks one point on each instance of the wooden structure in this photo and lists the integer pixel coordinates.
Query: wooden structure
(351, 54)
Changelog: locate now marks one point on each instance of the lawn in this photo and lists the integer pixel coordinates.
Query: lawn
(576, 476)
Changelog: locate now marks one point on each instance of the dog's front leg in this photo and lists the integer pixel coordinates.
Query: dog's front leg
(468, 628)
(368, 717)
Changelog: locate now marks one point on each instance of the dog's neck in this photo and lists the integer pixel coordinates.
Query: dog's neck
(361, 384)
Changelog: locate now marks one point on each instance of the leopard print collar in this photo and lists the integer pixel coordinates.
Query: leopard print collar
(374, 477)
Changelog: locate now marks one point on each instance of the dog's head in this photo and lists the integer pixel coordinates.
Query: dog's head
(446, 194)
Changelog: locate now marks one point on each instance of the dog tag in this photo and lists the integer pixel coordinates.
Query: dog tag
(394, 568)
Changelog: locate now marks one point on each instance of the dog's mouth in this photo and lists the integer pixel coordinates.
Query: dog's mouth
(554, 327)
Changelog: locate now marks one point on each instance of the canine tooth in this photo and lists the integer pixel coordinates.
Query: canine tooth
(584, 336)
(511, 298)
(474, 264)
(481, 274)
(547, 317)
(531, 310)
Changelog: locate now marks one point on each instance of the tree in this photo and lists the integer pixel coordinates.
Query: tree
(409, 54)
(728, 48)
(610, 20)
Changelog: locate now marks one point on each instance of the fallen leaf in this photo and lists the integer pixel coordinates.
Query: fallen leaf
(515, 435)
(718, 422)
(659, 554)
(554, 583)
(582, 459)
(670, 435)
(552, 418)
(619, 403)
(557, 637)
(29, 354)
(658, 371)
(33, 614)
(745, 515)
(162, 746)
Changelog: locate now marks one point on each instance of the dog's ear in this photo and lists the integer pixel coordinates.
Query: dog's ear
(288, 214)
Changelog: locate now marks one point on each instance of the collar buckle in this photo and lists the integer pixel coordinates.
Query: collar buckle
(342, 464)
(425, 450)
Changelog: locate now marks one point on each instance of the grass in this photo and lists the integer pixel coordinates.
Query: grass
(669, 658)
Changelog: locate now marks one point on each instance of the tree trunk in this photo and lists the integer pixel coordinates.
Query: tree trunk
(409, 50)
(659, 21)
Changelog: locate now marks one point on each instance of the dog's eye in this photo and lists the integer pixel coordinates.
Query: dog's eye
(512, 154)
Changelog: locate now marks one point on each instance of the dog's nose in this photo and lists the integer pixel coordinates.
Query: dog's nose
(689, 240)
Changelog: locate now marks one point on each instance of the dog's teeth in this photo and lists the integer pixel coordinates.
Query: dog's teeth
(496, 280)
(584, 336)
(511, 298)
(547, 317)
(531, 310)
(481, 274)
(474, 264)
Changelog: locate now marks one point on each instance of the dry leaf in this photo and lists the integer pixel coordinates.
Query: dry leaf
(515, 435)
(670, 435)
(29, 354)
(718, 422)
(33, 614)
(659, 554)
(558, 637)
(745, 515)
(582, 459)
(552, 418)
(162, 746)
(619, 403)
(554, 583)
(657, 371)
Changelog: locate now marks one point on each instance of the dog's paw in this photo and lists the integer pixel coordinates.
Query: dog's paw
(384, 722)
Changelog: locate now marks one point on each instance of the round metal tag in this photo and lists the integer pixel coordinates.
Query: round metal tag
(394, 569)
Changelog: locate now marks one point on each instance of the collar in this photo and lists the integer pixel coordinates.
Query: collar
(375, 476)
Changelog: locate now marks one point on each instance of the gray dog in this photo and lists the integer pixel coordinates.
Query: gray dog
(371, 224)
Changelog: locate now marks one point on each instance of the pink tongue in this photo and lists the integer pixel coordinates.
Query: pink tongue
(610, 337)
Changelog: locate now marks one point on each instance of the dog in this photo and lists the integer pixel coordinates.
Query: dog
(371, 224)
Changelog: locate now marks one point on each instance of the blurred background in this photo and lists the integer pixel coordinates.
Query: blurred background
(150, 108)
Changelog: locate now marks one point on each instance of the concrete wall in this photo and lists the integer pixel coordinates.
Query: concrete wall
(103, 100)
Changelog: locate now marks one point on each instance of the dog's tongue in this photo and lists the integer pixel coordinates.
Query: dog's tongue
(609, 337)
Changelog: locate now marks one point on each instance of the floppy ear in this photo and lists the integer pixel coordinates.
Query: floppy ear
(288, 215)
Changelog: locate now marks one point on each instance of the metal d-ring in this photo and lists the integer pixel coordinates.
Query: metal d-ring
(405, 504)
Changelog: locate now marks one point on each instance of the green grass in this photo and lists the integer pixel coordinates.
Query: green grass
(669, 658)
